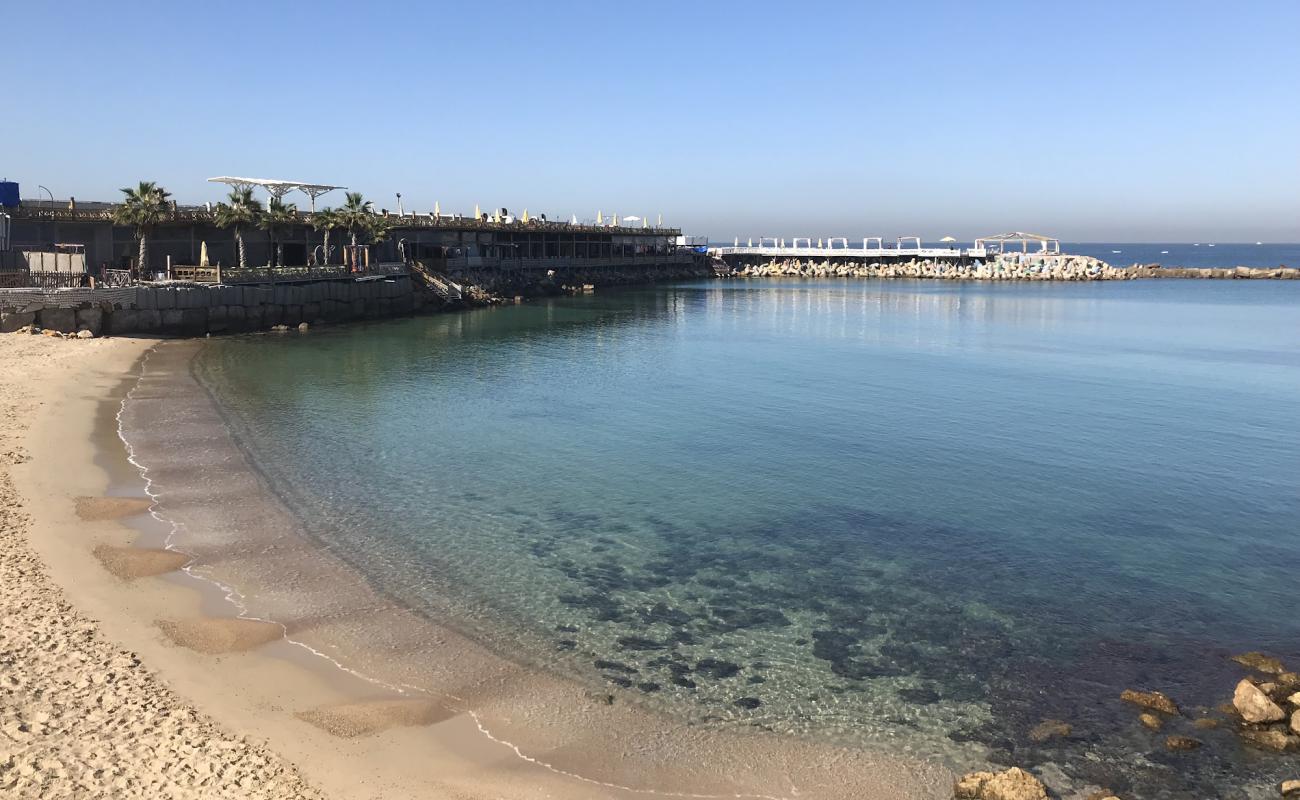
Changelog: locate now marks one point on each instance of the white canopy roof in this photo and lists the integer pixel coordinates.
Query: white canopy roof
(278, 188)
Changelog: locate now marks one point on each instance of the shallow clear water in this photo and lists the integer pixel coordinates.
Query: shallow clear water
(919, 512)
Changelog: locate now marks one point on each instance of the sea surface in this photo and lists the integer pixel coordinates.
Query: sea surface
(921, 514)
(1168, 254)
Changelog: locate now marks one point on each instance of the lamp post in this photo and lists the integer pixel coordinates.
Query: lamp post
(51, 194)
(399, 204)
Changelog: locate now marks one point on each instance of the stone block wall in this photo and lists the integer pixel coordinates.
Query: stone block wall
(195, 310)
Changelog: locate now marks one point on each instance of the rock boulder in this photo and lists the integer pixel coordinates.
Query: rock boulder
(1156, 701)
(1260, 662)
(1013, 784)
(1254, 705)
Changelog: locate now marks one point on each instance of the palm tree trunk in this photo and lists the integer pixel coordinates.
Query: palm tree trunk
(239, 242)
(144, 253)
(325, 250)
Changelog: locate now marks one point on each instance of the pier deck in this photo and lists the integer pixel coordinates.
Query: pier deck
(853, 252)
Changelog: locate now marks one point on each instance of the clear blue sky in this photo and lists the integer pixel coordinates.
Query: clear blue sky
(1115, 121)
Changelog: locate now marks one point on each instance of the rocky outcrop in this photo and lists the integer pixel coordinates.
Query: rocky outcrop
(1254, 705)
(1050, 729)
(1017, 267)
(1260, 662)
(1290, 788)
(1150, 721)
(1013, 784)
(1273, 739)
(1155, 701)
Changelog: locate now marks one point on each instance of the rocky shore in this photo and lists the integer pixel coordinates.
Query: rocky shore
(1263, 715)
(1010, 268)
(1022, 268)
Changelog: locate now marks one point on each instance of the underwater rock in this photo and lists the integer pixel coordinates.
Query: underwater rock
(1049, 729)
(1156, 701)
(750, 703)
(1260, 662)
(1270, 739)
(717, 668)
(616, 666)
(1254, 705)
(639, 643)
(1014, 784)
(1151, 721)
(1182, 743)
(1290, 788)
(1206, 723)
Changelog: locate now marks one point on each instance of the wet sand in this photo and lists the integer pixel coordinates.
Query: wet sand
(366, 697)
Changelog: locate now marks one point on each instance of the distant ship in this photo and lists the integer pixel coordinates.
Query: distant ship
(1258, 242)
(1164, 252)
(1117, 251)
(1209, 245)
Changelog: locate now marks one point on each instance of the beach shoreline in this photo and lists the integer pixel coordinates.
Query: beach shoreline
(517, 733)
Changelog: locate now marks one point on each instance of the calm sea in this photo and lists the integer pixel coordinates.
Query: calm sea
(928, 512)
(1169, 254)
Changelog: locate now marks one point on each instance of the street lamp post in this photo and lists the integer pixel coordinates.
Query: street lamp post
(399, 204)
(51, 194)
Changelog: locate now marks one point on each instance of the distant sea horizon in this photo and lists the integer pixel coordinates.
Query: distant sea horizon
(1168, 254)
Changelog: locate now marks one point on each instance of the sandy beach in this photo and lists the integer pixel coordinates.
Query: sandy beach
(80, 716)
(125, 674)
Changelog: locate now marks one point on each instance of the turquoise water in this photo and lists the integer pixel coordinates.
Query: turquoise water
(894, 511)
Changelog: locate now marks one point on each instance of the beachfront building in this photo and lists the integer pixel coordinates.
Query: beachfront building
(189, 236)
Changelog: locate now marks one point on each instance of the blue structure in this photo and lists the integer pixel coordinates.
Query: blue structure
(8, 194)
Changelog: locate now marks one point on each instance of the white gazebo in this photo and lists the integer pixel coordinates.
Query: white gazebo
(1004, 242)
(278, 188)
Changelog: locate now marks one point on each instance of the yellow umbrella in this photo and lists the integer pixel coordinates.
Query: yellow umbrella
(600, 219)
(203, 254)
(477, 213)
(437, 212)
(525, 215)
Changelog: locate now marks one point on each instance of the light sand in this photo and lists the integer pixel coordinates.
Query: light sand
(482, 727)
(80, 717)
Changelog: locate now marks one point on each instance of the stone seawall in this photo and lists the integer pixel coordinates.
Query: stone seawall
(1014, 268)
(1042, 268)
(197, 310)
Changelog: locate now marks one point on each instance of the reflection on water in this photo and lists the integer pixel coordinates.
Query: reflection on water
(922, 514)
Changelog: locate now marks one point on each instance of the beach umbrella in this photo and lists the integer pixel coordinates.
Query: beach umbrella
(477, 213)
(947, 239)
(203, 254)
(437, 212)
(600, 218)
(525, 215)
(573, 220)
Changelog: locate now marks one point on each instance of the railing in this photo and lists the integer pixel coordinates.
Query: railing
(115, 277)
(850, 252)
(325, 272)
(202, 215)
(562, 262)
(22, 279)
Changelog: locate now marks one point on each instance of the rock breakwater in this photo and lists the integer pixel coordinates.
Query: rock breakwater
(1020, 268)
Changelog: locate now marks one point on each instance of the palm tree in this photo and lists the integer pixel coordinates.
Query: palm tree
(377, 228)
(241, 210)
(276, 218)
(326, 221)
(356, 214)
(143, 208)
